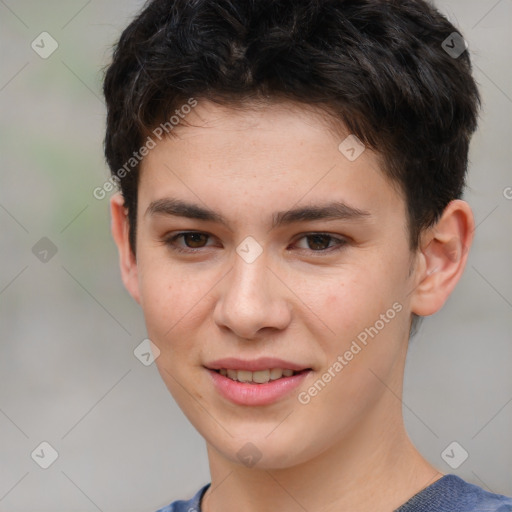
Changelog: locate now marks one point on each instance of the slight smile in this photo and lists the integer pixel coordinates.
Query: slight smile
(258, 382)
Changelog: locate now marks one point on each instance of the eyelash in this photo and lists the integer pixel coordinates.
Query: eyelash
(170, 242)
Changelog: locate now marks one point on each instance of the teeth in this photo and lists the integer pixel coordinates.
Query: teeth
(244, 376)
(276, 373)
(259, 377)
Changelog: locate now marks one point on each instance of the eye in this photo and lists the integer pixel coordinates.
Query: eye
(319, 242)
(195, 241)
(194, 238)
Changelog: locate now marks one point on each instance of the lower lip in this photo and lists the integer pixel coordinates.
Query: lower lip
(243, 393)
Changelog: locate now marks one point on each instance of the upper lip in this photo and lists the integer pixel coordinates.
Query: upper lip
(254, 365)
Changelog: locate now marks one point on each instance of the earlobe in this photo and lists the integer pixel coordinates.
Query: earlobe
(120, 228)
(443, 255)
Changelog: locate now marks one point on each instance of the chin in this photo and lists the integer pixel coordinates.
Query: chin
(261, 452)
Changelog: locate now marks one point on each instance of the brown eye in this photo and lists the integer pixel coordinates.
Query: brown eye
(194, 240)
(321, 242)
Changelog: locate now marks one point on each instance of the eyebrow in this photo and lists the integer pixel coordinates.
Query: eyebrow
(335, 210)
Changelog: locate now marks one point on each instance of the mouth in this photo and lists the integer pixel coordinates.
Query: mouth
(258, 382)
(260, 376)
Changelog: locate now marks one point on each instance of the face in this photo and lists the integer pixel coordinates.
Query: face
(299, 262)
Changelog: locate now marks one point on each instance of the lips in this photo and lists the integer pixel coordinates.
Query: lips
(257, 382)
(254, 365)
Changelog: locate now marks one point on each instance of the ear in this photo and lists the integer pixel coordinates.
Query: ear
(120, 230)
(442, 257)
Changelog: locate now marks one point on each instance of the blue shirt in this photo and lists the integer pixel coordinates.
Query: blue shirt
(448, 494)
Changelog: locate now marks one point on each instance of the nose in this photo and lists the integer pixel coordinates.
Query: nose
(252, 299)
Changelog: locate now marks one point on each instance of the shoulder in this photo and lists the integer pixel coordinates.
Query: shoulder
(485, 501)
(493, 503)
(456, 495)
(192, 505)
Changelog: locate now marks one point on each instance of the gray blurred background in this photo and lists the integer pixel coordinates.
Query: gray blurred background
(68, 373)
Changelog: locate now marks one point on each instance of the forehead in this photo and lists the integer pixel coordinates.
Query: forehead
(264, 157)
(272, 123)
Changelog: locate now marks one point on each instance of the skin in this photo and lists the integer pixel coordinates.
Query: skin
(347, 449)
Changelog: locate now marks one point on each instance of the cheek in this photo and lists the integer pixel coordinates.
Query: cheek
(351, 301)
(159, 301)
(359, 306)
(167, 300)
(171, 305)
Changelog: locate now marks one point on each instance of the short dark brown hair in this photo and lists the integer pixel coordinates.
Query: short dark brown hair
(382, 67)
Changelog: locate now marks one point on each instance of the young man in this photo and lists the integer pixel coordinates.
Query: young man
(291, 175)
